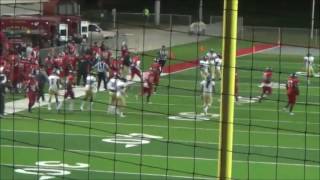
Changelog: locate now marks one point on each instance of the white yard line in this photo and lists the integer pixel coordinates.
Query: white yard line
(178, 127)
(115, 172)
(215, 107)
(238, 107)
(171, 141)
(163, 156)
(257, 84)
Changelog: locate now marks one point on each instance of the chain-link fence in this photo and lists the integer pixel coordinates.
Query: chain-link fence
(287, 36)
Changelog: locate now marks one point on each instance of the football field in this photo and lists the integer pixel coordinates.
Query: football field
(171, 138)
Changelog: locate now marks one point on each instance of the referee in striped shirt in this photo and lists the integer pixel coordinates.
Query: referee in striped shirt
(102, 69)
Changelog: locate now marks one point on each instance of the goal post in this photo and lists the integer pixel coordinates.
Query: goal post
(229, 46)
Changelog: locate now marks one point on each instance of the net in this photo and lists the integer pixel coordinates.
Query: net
(154, 114)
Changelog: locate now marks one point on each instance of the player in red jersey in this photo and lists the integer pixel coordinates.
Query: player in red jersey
(32, 91)
(107, 55)
(292, 92)
(95, 49)
(124, 49)
(148, 85)
(135, 67)
(73, 62)
(266, 83)
(115, 68)
(69, 89)
(156, 69)
(16, 74)
(49, 65)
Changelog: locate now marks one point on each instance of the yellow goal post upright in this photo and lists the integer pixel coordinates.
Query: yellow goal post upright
(229, 47)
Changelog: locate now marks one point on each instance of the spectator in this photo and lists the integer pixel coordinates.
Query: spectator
(3, 82)
(42, 78)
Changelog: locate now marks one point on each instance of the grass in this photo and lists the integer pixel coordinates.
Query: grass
(268, 142)
(190, 51)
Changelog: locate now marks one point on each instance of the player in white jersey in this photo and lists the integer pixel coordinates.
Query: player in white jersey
(211, 55)
(207, 88)
(91, 86)
(309, 62)
(117, 91)
(216, 68)
(204, 67)
(121, 87)
(54, 83)
(112, 87)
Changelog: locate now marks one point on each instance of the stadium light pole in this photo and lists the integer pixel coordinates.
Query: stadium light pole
(157, 7)
(200, 10)
(312, 19)
(229, 47)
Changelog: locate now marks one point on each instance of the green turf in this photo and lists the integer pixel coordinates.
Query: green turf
(189, 51)
(268, 142)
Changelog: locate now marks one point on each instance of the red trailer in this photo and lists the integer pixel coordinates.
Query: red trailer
(45, 28)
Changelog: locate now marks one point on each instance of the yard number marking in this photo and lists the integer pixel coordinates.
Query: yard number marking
(50, 169)
(131, 140)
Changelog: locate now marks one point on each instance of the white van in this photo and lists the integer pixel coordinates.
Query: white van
(93, 31)
(63, 32)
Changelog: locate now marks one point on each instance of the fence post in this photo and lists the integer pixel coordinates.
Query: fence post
(279, 35)
(229, 46)
(114, 17)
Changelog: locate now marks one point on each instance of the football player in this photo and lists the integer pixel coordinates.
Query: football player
(217, 67)
(42, 79)
(135, 67)
(121, 86)
(207, 88)
(204, 67)
(54, 83)
(211, 55)
(162, 56)
(117, 91)
(32, 91)
(112, 94)
(292, 92)
(69, 89)
(148, 85)
(91, 85)
(156, 70)
(309, 62)
(266, 83)
(124, 49)
(126, 63)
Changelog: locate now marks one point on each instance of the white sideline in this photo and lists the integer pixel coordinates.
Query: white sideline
(22, 104)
